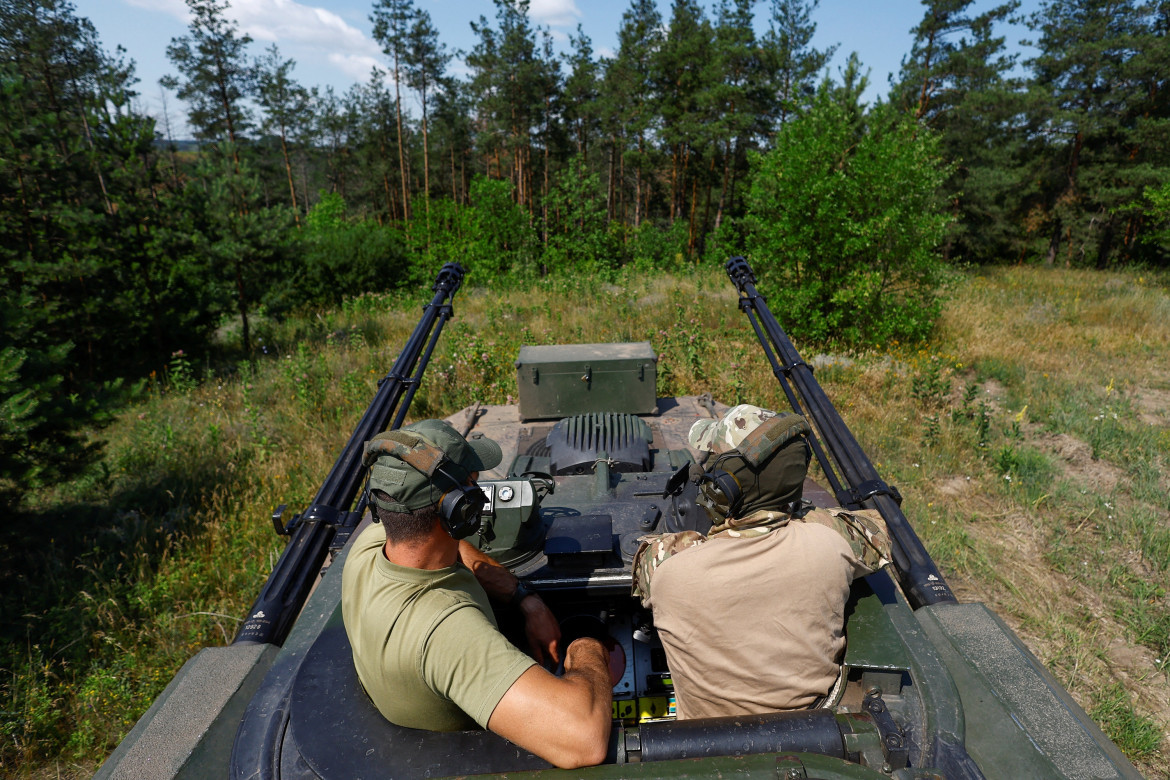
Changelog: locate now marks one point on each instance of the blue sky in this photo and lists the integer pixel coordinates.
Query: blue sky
(332, 44)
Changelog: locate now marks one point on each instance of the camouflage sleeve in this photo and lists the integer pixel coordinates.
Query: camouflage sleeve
(652, 551)
(863, 529)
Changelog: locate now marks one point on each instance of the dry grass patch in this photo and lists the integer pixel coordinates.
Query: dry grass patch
(1030, 441)
(1066, 504)
(1029, 438)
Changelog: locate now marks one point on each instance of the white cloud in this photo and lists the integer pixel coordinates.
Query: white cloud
(558, 13)
(285, 21)
(560, 37)
(356, 66)
(288, 24)
(176, 8)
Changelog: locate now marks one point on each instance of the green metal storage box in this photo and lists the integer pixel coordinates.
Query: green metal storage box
(564, 380)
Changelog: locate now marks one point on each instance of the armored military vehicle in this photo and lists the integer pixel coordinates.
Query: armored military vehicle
(593, 460)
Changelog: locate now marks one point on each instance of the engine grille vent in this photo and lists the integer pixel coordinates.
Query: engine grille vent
(575, 442)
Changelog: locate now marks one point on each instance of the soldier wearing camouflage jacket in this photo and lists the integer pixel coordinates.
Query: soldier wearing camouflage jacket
(752, 614)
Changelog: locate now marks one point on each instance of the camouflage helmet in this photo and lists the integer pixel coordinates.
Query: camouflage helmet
(729, 430)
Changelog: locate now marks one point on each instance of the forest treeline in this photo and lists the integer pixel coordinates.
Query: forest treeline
(700, 137)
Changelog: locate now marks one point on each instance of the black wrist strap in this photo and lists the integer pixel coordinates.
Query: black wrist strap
(522, 592)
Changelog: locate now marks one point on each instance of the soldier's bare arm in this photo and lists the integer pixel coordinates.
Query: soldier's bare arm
(540, 625)
(582, 698)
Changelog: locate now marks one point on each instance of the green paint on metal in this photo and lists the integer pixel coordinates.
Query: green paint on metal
(874, 643)
(561, 381)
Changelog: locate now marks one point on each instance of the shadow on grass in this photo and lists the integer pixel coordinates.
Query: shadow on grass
(78, 592)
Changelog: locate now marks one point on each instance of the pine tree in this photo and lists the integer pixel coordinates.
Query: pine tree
(215, 77)
(552, 132)
(954, 53)
(789, 62)
(1099, 126)
(957, 80)
(486, 69)
(286, 105)
(509, 84)
(629, 107)
(680, 83)
(426, 62)
(582, 93)
(455, 134)
(91, 282)
(244, 239)
(522, 91)
(847, 92)
(83, 196)
(392, 23)
(372, 135)
(335, 118)
(737, 96)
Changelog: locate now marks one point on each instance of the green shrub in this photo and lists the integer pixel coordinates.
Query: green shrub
(844, 223)
(340, 259)
(491, 235)
(1157, 209)
(651, 247)
(579, 238)
(1025, 469)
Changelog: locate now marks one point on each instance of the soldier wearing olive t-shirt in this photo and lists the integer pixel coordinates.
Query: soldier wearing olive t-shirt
(416, 610)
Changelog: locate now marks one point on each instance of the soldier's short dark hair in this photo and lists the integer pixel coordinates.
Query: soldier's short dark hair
(405, 526)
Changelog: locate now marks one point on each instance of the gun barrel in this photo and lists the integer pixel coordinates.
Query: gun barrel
(851, 474)
(341, 485)
(288, 586)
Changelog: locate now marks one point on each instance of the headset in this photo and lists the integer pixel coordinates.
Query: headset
(723, 495)
(721, 490)
(461, 508)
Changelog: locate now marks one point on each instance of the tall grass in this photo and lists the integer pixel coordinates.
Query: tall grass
(1032, 464)
(1054, 505)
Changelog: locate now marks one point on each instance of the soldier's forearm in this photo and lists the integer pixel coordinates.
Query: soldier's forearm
(499, 583)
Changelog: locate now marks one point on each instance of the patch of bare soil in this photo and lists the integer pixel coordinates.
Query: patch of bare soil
(1131, 665)
(1153, 405)
(994, 388)
(955, 486)
(1078, 464)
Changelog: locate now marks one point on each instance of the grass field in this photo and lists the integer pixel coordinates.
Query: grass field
(1030, 438)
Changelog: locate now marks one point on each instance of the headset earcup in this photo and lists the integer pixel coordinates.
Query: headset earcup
(730, 488)
(460, 511)
(721, 489)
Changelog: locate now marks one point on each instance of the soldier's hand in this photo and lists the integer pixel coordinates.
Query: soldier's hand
(542, 629)
(603, 659)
